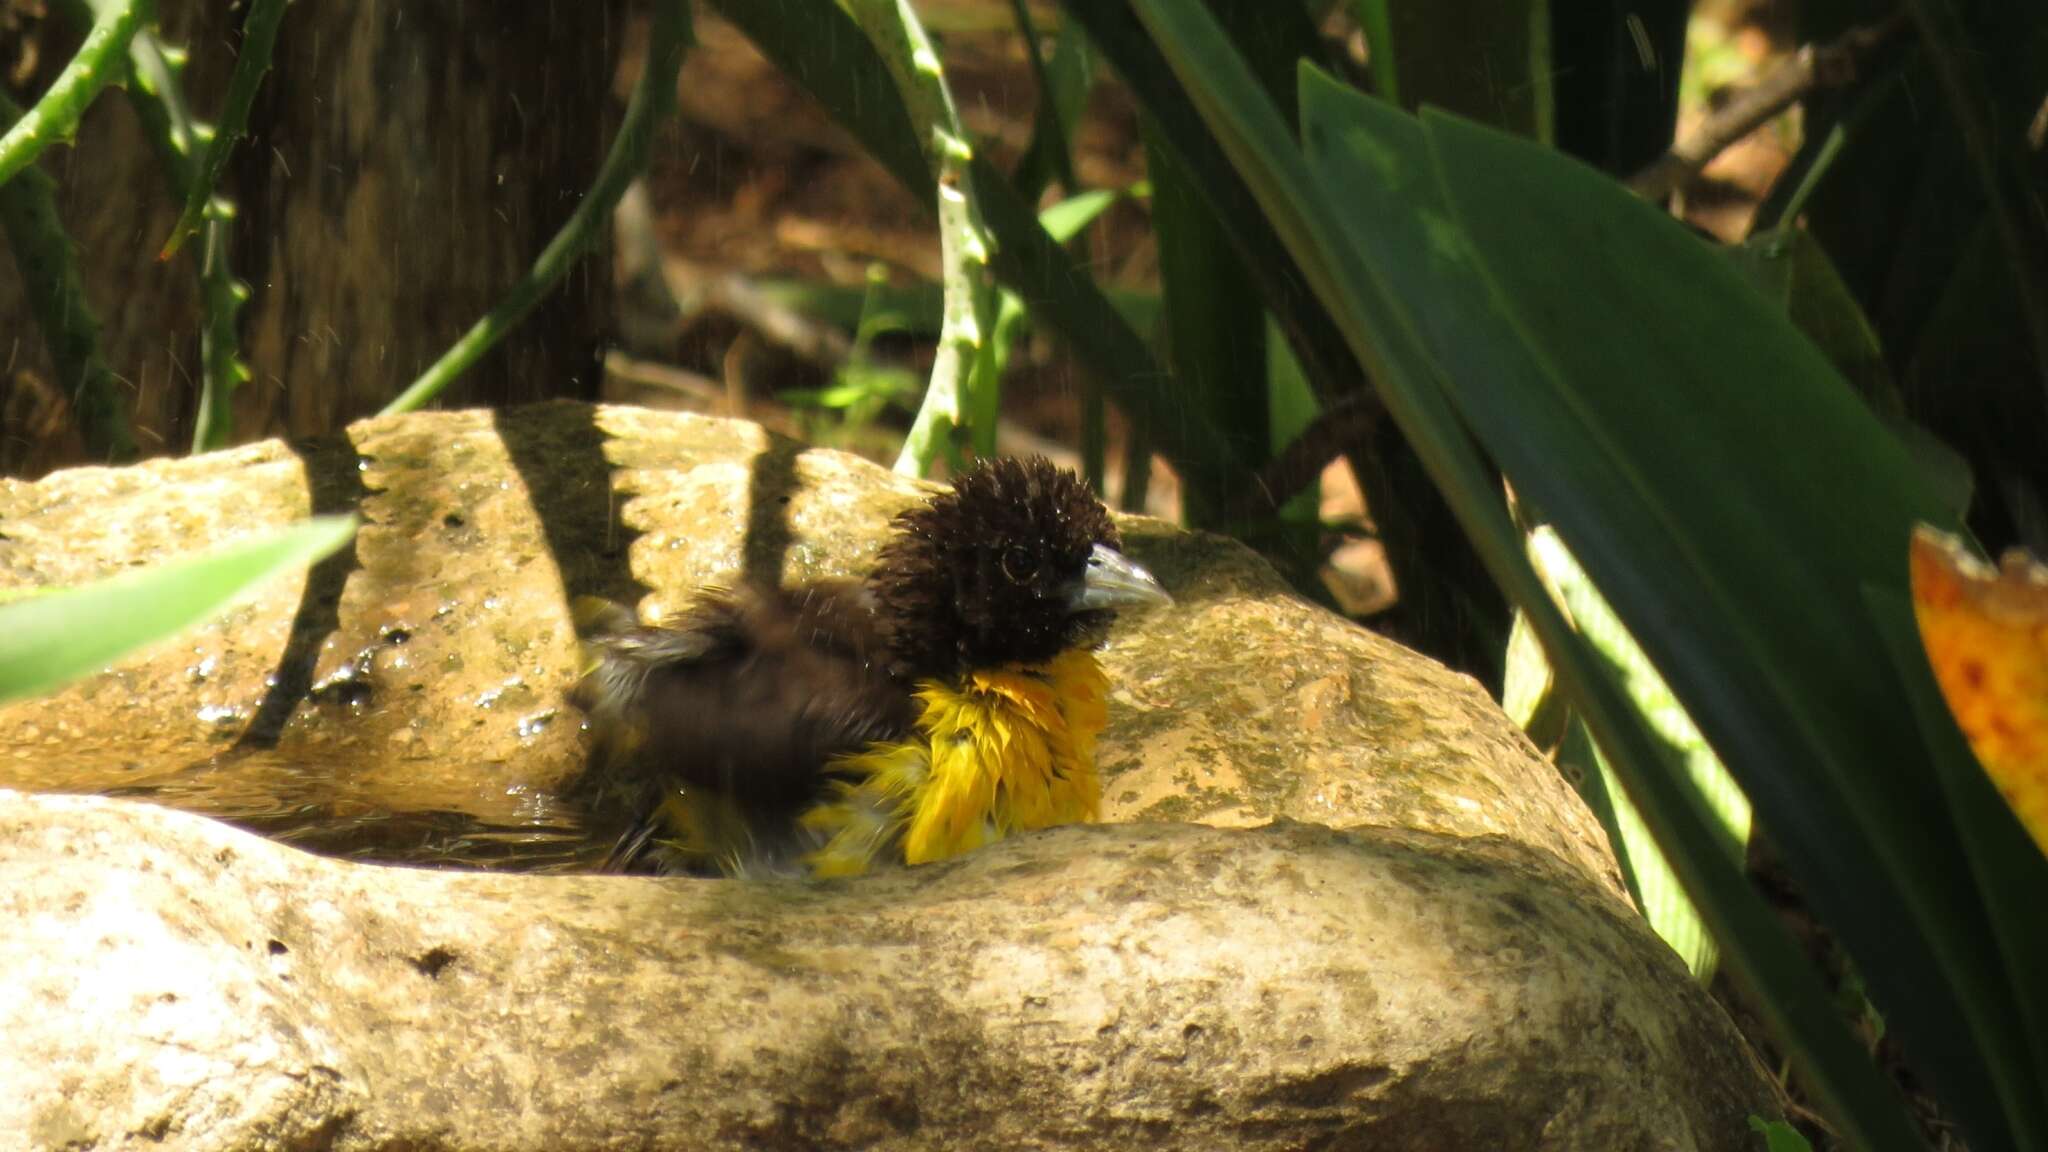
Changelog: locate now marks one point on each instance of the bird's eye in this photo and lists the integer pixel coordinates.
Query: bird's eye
(1020, 564)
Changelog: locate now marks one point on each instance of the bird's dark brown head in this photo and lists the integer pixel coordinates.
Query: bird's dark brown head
(1018, 563)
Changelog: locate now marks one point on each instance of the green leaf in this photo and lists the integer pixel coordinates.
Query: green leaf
(1291, 407)
(1376, 19)
(1794, 273)
(1613, 71)
(1215, 321)
(1399, 227)
(1063, 84)
(1984, 110)
(1274, 275)
(1651, 879)
(50, 639)
(875, 308)
(1527, 688)
(1779, 1136)
(1385, 335)
(1732, 496)
(1063, 221)
(1970, 382)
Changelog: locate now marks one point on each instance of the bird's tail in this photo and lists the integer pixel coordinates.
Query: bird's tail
(609, 679)
(617, 654)
(694, 829)
(697, 831)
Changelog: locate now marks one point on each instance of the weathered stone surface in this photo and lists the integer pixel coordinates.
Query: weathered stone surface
(1241, 704)
(1457, 971)
(172, 983)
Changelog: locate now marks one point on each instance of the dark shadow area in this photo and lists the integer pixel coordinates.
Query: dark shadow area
(771, 484)
(335, 481)
(558, 450)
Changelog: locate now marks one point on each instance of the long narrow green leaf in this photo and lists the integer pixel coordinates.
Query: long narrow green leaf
(48, 640)
(1291, 407)
(1779, 1136)
(1114, 30)
(1063, 298)
(1794, 273)
(1384, 334)
(1744, 592)
(1376, 19)
(1365, 145)
(654, 98)
(1655, 885)
(914, 308)
(816, 44)
(1063, 221)
(1505, 390)
(1487, 59)
(1215, 322)
(1063, 84)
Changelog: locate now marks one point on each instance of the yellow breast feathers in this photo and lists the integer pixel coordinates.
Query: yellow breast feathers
(1008, 749)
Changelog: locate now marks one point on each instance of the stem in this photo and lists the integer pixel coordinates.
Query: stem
(966, 324)
(259, 36)
(1347, 421)
(55, 116)
(1815, 67)
(56, 294)
(167, 122)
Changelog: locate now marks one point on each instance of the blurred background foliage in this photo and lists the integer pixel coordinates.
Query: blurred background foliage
(1650, 358)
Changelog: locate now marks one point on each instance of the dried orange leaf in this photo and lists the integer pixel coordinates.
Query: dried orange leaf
(1986, 635)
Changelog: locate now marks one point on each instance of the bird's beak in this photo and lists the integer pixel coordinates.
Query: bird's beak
(1114, 581)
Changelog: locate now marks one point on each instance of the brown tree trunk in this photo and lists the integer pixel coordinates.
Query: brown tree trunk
(405, 163)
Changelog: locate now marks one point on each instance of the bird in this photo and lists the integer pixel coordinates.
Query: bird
(947, 700)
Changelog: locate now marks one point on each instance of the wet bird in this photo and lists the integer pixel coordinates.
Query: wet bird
(948, 700)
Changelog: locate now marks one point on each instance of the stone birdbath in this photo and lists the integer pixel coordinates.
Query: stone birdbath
(313, 876)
